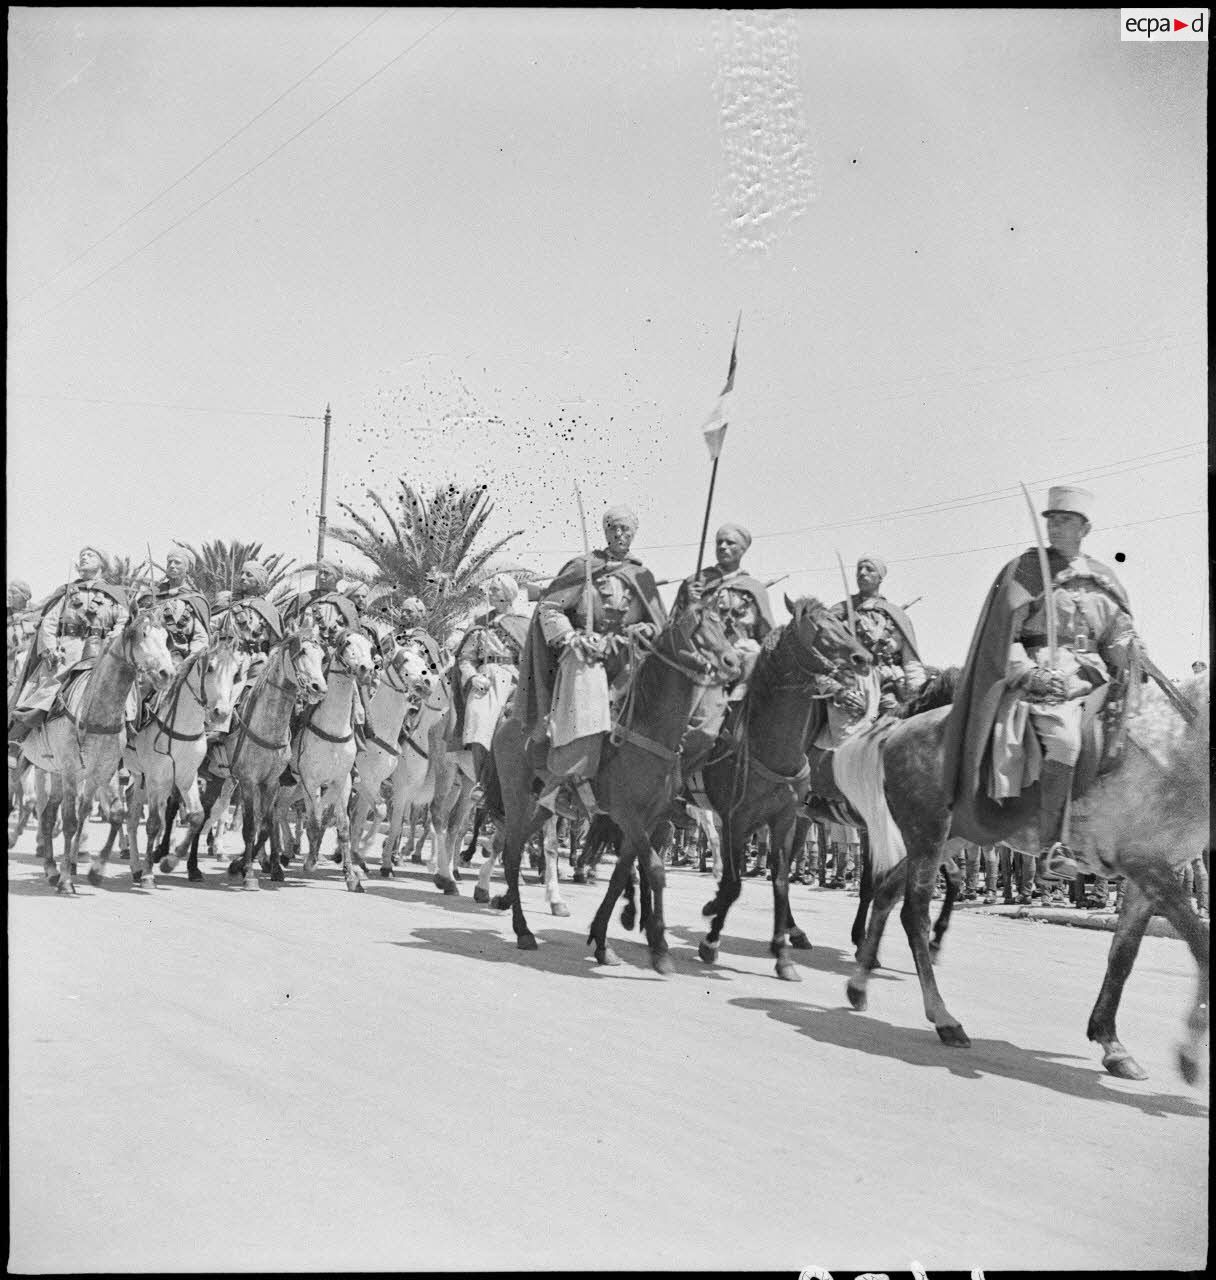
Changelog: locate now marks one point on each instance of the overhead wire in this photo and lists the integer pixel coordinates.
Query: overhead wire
(84, 253)
(242, 176)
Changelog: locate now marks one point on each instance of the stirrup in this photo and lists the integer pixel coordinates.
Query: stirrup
(1057, 863)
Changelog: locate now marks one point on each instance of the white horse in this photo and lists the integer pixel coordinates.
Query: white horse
(82, 745)
(406, 681)
(553, 889)
(323, 751)
(169, 749)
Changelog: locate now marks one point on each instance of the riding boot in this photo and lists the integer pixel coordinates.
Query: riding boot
(1055, 858)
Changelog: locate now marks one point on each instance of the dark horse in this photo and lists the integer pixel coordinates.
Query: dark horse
(639, 773)
(1146, 818)
(763, 776)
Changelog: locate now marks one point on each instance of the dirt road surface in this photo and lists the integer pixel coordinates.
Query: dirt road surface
(204, 1078)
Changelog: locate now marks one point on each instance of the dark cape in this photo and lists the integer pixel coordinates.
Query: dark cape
(902, 622)
(538, 664)
(713, 576)
(977, 698)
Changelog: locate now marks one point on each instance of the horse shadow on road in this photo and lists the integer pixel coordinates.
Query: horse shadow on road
(848, 1029)
(825, 959)
(560, 951)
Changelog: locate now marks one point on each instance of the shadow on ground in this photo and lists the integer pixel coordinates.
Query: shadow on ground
(847, 1029)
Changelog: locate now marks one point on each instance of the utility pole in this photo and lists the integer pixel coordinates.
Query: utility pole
(324, 486)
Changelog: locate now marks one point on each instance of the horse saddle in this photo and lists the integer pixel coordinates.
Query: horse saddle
(70, 694)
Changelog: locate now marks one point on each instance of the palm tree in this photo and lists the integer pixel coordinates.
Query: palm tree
(427, 549)
(217, 565)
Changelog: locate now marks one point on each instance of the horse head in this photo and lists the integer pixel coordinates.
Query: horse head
(414, 668)
(306, 662)
(825, 640)
(146, 641)
(353, 650)
(221, 664)
(697, 637)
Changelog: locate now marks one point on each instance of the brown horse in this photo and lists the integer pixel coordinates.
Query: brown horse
(761, 779)
(1145, 819)
(639, 774)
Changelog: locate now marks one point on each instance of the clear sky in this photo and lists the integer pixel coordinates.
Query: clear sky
(969, 248)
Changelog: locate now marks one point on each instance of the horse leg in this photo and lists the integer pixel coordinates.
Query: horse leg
(1151, 889)
(733, 844)
(156, 815)
(482, 892)
(954, 884)
(195, 814)
(314, 827)
(885, 894)
(781, 840)
(654, 875)
(441, 850)
(466, 856)
(865, 893)
(172, 807)
(598, 934)
(922, 872)
(47, 804)
(352, 873)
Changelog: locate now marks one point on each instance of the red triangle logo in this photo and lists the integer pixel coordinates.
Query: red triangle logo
(1180, 26)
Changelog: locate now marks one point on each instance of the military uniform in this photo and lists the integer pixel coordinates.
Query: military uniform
(491, 648)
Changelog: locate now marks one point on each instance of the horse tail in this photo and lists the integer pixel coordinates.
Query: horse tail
(859, 771)
(491, 787)
(603, 836)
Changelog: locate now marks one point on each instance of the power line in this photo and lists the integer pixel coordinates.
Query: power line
(183, 408)
(1117, 467)
(241, 177)
(195, 168)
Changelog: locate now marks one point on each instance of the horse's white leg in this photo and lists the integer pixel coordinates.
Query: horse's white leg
(313, 822)
(351, 870)
(192, 808)
(482, 892)
(156, 797)
(553, 891)
(393, 834)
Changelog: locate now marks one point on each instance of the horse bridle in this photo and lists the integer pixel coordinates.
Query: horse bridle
(699, 661)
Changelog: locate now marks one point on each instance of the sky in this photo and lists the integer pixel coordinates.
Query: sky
(510, 247)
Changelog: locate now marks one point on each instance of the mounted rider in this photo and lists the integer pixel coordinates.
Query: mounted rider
(177, 580)
(1028, 726)
(487, 665)
(256, 624)
(887, 632)
(75, 621)
(21, 624)
(328, 576)
(561, 694)
(742, 603)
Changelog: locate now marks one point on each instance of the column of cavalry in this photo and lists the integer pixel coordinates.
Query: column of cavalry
(601, 705)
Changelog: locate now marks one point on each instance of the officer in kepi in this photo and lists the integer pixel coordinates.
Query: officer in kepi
(1023, 712)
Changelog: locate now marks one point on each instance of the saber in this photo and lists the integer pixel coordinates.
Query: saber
(848, 595)
(1049, 609)
(1185, 708)
(587, 606)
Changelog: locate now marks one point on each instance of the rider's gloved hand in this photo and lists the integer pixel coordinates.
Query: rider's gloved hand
(1044, 684)
(851, 700)
(479, 684)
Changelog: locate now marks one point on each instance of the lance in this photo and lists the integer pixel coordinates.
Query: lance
(713, 475)
(912, 602)
(772, 582)
(848, 595)
(1049, 608)
(587, 597)
(321, 520)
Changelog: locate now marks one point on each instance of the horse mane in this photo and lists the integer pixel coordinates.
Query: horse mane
(937, 691)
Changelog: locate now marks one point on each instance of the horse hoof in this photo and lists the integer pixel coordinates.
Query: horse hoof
(195, 874)
(94, 876)
(53, 879)
(708, 953)
(559, 909)
(481, 895)
(354, 884)
(799, 941)
(277, 875)
(526, 942)
(662, 963)
(167, 867)
(386, 873)
(447, 884)
(954, 1036)
(710, 909)
(579, 877)
(1125, 1067)
(629, 916)
(65, 888)
(857, 996)
(499, 903)
(336, 858)
(251, 883)
(606, 956)
(416, 857)
(787, 972)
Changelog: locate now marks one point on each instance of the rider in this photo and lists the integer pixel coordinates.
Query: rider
(328, 575)
(257, 625)
(75, 621)
(187, 619)
(886, 631)
(487, 663)
(742, 603)
(1021, 713)
(177, 580)
(557, 695)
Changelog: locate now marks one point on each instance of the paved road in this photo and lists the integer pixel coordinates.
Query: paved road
(208, 1079)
